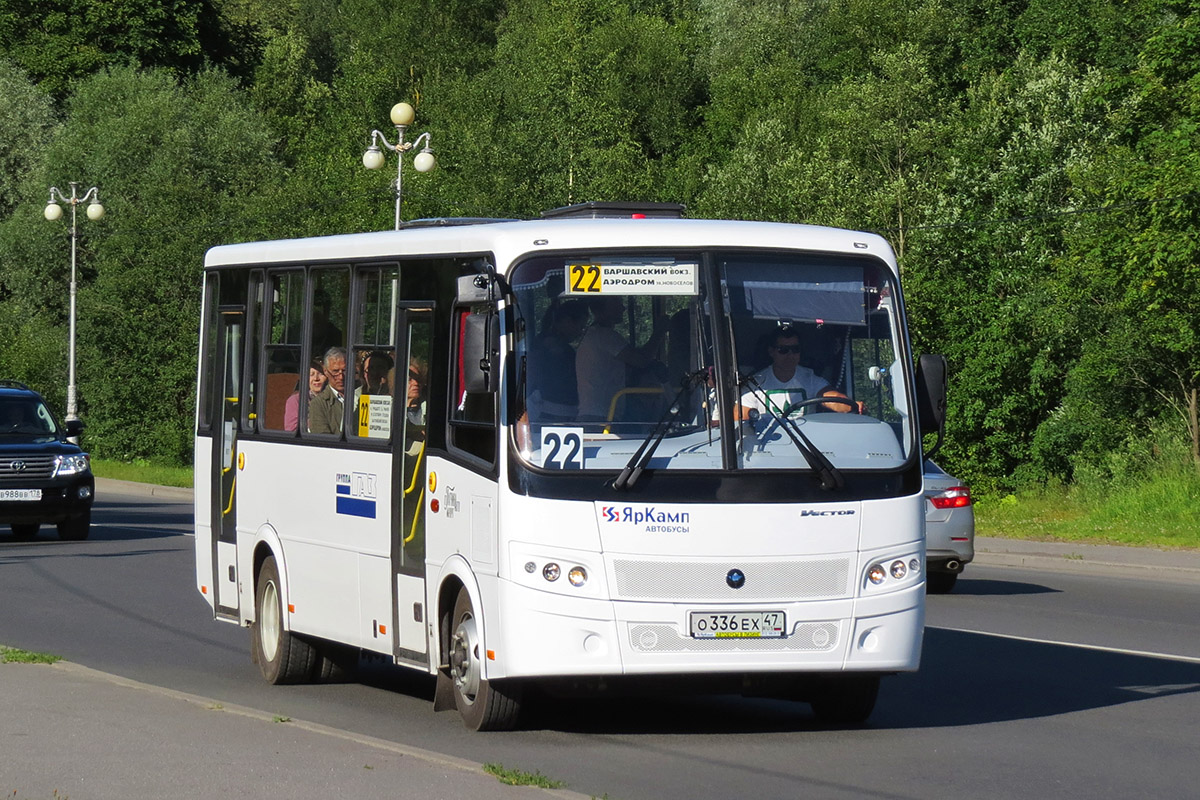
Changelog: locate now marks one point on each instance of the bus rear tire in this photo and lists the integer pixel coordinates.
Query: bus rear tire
(483, 705)
(281, 656)
(846, 701)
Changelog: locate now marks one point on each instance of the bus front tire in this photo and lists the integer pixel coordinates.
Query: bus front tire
(281, 656)
(483, 705)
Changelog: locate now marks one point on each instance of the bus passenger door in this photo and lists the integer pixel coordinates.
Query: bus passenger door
(410, 620)
(224, 461)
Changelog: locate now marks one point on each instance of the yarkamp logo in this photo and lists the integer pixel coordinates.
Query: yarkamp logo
(842, 512)
(651, 519)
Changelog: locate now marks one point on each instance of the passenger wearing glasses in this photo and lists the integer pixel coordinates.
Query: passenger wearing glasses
(785, 382)
(325, 409)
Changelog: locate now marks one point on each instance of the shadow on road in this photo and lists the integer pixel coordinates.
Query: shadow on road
(982, 587)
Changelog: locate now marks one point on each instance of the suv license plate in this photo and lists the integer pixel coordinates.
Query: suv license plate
(20, 494)
(738, 624)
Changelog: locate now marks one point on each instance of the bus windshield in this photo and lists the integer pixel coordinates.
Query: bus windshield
(793, 357)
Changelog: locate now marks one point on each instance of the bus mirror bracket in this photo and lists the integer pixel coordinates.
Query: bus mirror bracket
(473, 289)
(931, 397)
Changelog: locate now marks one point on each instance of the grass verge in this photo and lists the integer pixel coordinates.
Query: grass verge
(143, 472)
(13, 655)
(515, 777)
(1162, 511)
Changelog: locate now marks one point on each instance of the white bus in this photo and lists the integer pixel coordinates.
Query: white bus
(560, 457)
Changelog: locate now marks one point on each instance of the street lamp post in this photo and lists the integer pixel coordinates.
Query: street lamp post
(53, 212)
(402, 116)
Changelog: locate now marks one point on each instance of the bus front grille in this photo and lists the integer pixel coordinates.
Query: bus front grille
(701, 582)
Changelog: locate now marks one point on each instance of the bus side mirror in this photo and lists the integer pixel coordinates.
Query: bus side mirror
(481, 352)
(931, 397)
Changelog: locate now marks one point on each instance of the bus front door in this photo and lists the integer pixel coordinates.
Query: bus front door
(410, 620)
(224, 460)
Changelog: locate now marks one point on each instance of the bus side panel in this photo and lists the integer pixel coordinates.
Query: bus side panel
(333, 521)
(464, 525)
(202, 511)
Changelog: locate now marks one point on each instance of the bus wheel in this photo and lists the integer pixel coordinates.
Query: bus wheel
(846, 700)
(281, 657)
(24, 532)
(484, 705)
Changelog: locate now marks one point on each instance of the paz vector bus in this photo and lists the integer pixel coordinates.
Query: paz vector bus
(551, 453)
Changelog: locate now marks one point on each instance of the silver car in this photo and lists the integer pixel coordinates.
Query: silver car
(949, 528)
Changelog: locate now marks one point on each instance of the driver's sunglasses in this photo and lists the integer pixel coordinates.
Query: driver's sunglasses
(787, 348)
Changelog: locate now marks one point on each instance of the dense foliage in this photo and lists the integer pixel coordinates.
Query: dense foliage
(1036, 164)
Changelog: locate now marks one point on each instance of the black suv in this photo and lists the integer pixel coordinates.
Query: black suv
(43, 477)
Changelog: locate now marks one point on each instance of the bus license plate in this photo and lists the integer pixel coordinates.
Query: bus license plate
(738, 624)
(20, 494)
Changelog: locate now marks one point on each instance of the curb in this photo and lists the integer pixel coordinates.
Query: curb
(131, 487)
(1136, 562)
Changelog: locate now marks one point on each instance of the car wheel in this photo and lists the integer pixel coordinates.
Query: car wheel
(281, 656)
(940, 582)
(25, 531)
(75, 529)
(846, 700)
(484, 705)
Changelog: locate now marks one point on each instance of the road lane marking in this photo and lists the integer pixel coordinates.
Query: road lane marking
(1098, 647)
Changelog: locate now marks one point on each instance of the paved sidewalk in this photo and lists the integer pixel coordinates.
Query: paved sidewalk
(1143, 562)
(71, 733)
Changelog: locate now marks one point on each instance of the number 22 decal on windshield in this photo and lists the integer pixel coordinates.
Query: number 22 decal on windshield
(584, 278)
(562, 448)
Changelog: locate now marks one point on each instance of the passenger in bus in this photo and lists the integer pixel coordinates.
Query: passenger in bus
(325, 410)
(785, 381)
(291, 407)
(602, 358)
(418, 381)
(553, 394)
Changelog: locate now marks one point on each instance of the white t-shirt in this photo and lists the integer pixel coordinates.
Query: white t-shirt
(803, 385)
(598, 371)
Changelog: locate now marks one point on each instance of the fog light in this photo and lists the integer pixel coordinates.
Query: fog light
(577, 576)
(551, 572)
(876, 574)
(899, 569)
(85, 492)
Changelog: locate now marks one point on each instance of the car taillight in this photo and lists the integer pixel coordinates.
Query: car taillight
(954, 497)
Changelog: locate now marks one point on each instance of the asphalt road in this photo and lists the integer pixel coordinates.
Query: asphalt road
(1034, 684)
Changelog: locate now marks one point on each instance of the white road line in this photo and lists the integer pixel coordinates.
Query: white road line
(1101, 648)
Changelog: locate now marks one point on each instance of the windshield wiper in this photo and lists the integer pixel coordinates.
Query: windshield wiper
(831, 476)
(633, 470)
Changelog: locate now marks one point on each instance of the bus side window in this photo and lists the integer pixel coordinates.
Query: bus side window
(472, 414)
(328, 310)
(283, 311)
(374, 355)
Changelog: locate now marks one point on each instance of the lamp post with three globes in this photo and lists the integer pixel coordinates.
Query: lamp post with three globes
(402, 116)
(54, 212)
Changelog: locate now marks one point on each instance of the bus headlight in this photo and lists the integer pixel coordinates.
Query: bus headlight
(899, 570)
(876, 574)
(577, 576)
(551, 572)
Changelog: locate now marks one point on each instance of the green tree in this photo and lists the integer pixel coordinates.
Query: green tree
(181, 167)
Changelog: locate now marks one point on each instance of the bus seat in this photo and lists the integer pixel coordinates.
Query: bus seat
(279, 386)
